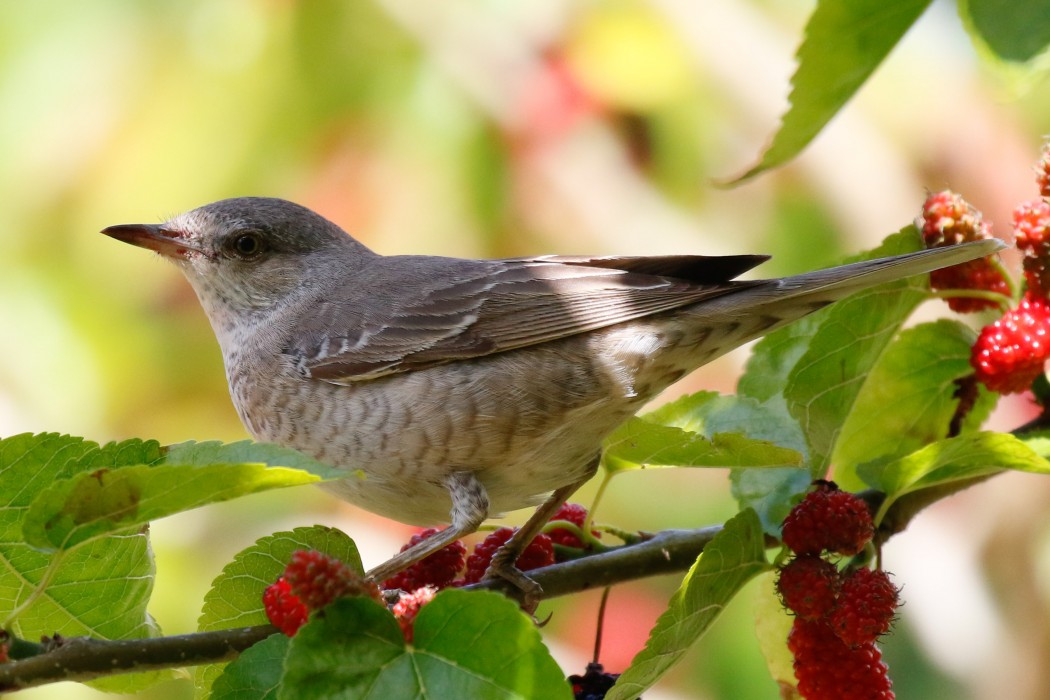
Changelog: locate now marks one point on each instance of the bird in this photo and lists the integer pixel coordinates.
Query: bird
(453, 390)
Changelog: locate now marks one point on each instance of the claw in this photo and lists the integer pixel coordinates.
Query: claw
(502, 568)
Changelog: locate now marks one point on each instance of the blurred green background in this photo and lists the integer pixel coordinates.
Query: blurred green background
(488, 129)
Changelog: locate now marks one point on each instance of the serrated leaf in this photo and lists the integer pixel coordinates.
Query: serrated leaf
(731, 559)
(1018, 30)
(823, 385)
(954, 459)
(99, 589)
(114, 455)
(844, 43)
(255, 674)
(355, 649)
(235, 597)
(772, 626)
(908, 400)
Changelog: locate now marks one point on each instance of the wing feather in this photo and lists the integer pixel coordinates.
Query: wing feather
(410, 312)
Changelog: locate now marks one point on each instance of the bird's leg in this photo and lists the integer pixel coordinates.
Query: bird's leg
(470, 507)
(503, 563)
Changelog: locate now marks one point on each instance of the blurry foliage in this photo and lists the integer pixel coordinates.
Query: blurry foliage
(405, 127)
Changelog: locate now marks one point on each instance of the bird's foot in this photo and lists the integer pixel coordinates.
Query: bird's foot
(502, 567)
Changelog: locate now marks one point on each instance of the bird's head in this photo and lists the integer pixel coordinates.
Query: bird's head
(247, 255)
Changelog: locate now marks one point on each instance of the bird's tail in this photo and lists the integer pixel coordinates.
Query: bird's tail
(839, 282)
(756, 310)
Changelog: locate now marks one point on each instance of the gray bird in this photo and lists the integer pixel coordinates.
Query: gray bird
(456, 389)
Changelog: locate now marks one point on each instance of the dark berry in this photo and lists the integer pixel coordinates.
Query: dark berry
(594, 684)
(808, 586)
(318, 579)
(828, 520)
(865, 608)
(436, 570)
(828, 669)
(539, 553)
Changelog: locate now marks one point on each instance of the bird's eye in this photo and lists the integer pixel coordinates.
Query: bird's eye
(247, 245)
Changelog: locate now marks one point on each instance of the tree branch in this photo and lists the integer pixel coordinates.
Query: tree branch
(665, 552)
(84, 658)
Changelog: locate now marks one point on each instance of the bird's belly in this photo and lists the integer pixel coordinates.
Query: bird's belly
(525, 424)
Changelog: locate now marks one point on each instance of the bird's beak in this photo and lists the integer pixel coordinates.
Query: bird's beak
(164, 241)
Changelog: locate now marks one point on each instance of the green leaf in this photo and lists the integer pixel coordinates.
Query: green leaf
(771, 492)
(731, 559)
(1018, 30)
(125, 486)
(235, 597)
(825, 381)
(710, 413)
(774, 356)
(468, 644)
(954, 459)
(214, 452)
(255, 674)
(768, 490)
(845, 42)
(688, 433)
(100, 589)
(908, 400)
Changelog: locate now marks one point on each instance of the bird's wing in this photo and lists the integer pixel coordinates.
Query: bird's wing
(408, 313)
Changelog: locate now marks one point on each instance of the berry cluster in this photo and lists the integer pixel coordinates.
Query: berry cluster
(311, 580)
(1011, 352)
(419, 582)
(437, 570)
(839, 615)
(440, 569)
(539, 553)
